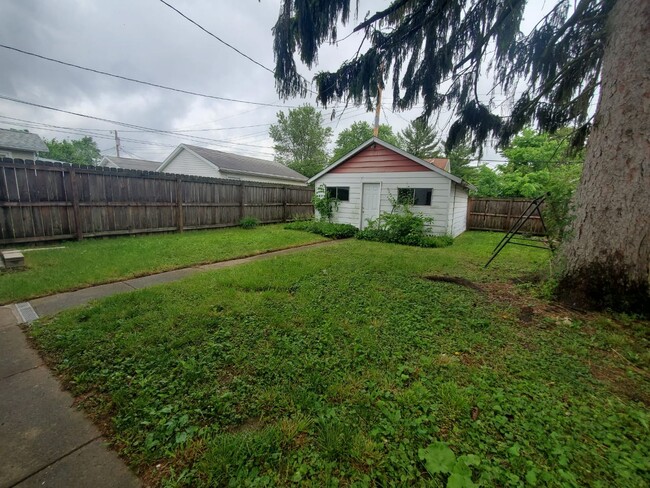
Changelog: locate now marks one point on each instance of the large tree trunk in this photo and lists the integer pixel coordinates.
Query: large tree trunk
(607, 258)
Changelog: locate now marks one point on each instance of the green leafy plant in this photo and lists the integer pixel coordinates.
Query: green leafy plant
(325, 229)
(403, 226)
(324, 204)
(249, 223)
(439, 459)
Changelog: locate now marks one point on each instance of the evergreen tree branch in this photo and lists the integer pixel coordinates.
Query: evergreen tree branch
(380, 15)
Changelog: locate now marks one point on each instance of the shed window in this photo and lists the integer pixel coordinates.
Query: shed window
(341, 193)
(414, 196)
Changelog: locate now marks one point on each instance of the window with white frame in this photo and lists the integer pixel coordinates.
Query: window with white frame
(414, 196)
(341, 193)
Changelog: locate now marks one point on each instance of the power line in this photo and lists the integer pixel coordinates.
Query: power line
(217, 37)
(272, 71)
(148, 83)
(157, 146)
(214, 128)
(125, 124)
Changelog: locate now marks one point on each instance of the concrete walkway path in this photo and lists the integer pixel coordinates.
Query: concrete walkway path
(52, 304)
(44, 440)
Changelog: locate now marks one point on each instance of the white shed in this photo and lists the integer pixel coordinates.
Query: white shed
(366, 178)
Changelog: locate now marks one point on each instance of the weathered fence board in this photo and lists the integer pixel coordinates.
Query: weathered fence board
(42, 201)
(500, 214)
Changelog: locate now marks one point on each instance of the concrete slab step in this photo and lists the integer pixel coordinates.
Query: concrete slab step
(13, 259)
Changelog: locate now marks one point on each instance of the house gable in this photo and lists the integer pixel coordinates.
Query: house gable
(378, 159)
(397, 162)
(186, 162)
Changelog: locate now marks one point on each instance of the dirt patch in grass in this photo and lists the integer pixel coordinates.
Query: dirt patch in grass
(456, 280)
(248, 425)
(531, 311)
(619, 383)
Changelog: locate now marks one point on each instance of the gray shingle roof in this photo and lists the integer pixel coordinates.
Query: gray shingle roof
(23, 141)
(131, 163)
(245, 164)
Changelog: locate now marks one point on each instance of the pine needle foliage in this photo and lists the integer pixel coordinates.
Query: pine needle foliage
(420, 140)
(436, 50)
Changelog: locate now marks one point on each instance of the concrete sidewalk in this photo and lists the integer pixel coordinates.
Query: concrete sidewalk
(44, 440)
(40, 307)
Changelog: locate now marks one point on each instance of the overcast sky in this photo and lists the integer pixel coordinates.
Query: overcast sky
(146, 40)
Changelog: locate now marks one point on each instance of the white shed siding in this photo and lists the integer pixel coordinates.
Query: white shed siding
(186, 163)
(458, 211)
(350, 212)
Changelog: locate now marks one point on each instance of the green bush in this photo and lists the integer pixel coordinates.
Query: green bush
(324, 204)
(403, 226)
(249, 223)
(325, 229)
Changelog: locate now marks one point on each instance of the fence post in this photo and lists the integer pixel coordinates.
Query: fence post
(179, 203)
(509, 217)
(284, 204)
(75, 204)
(241, 199)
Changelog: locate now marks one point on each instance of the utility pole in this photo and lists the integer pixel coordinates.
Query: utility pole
(375, 131)
(117, 144)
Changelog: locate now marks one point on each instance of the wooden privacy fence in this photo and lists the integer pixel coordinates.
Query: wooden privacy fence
(500, 214)
(41, 201)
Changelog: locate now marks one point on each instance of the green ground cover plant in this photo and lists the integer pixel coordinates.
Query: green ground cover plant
(96, 261)
(249, 223)
(326, 229)
(344, 366)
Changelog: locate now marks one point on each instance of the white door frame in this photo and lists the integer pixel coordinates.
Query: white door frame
(361, 202)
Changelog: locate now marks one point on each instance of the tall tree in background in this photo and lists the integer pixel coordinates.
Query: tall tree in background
(82, 151)
(357, 134)
(436, 51)
(534, 151)
(301, 140)
(420, 140)
(460, 158)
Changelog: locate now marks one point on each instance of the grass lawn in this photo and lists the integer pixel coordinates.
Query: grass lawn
(96, 261)
(342, 366)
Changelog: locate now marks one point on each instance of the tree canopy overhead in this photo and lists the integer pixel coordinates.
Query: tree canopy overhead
(435, 51)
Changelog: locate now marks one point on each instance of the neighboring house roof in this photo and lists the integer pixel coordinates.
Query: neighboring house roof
(21, 141)
(130, 163)
(375, 140)
(238, 164)
(442, 163)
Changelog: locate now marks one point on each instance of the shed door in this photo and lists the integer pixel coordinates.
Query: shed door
(369, 203)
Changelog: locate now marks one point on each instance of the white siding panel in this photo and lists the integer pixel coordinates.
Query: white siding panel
(459, 211)
(350, 212)
(186, 163)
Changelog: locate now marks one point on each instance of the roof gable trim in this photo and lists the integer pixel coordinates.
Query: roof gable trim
(177, 151)
(375, 140)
